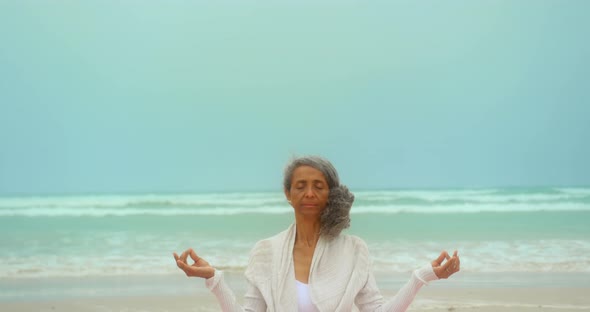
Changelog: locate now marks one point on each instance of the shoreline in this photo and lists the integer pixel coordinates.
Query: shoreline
(435, 300)
(47, 288)
(484, 292)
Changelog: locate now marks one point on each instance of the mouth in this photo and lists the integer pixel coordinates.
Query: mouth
(309, 205)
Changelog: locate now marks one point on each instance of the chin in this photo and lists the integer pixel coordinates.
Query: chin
(310, 212)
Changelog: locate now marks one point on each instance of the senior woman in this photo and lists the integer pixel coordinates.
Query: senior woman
(312, 266)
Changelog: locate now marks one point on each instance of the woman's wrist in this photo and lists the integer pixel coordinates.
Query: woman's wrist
(426, 273)
(212, 275)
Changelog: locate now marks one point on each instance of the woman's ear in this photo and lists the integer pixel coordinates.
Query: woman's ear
(287, 195)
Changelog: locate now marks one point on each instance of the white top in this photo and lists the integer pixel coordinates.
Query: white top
(304, 303)
(340, 277)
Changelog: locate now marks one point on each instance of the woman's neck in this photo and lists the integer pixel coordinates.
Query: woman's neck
(308, 232)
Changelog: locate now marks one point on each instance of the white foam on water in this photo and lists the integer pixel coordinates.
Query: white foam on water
(468, 208)
(110, 265)
(104, 212)
(132, 251)
(392, 256)
(473, 196)
(147, 200)
(396, 201)
(282, 209)
(487, 256)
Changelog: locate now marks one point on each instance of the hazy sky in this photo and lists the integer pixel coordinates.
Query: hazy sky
(147, 96)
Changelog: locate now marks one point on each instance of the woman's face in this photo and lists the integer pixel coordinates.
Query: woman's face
(309, 191)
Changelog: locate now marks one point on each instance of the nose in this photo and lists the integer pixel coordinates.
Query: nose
(309, 192)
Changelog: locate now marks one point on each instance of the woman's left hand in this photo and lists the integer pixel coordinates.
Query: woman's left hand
(447, 269)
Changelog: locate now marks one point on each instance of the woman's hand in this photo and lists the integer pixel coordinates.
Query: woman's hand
(452, 265)
(200, 268)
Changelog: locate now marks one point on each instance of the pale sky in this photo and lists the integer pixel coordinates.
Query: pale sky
(196, 96)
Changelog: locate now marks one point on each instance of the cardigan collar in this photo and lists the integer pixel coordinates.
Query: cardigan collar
(283, 265)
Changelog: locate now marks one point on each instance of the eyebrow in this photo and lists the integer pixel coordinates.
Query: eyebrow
(305, 181)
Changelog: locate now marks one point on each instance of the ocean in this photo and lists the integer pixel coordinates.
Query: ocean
(113, 237)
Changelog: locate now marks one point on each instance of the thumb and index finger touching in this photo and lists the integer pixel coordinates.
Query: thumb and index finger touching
(200, 268)
(183, 257)
(194, 256)
(443, 255)
(181, 260)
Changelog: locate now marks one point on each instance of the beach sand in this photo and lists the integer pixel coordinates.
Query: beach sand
(434, 300)
(500, 292)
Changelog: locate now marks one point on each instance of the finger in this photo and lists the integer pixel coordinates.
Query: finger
(457, 260)
(442, 257)
(190, 270)
(448, 265)
(181, 264)
(445, 270)
(455, 266)
(185, 267)
(184, 255)
(194, 256)
(175, 256)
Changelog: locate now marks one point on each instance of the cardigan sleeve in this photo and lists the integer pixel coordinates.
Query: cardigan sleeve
(369, 298)
(253, 300)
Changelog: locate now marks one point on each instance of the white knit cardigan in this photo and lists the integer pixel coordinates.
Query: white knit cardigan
(340, 277)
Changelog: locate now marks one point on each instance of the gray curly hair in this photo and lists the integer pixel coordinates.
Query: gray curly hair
(336, 215)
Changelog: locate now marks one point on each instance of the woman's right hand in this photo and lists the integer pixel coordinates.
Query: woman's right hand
(200, 268)
(452, 266)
